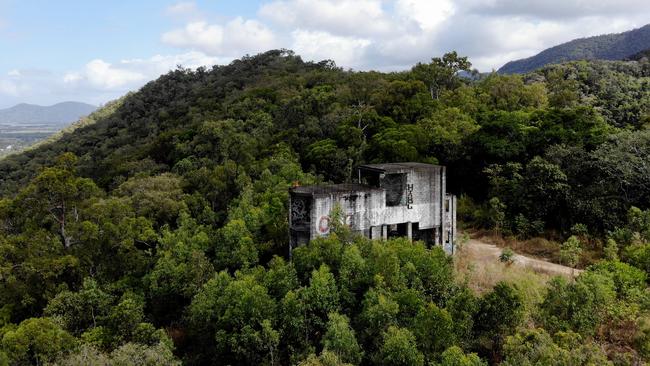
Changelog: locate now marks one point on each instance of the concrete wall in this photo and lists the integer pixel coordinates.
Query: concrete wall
(362, 210)
(450, 238)
(428, 191)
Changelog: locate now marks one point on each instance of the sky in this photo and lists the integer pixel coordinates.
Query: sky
(94, 51)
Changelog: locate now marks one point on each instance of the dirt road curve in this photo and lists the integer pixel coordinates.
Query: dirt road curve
(479, 249)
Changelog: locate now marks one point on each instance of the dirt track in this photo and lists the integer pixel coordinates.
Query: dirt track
(478, 249)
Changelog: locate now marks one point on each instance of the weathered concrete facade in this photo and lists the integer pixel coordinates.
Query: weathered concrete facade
(395, 199)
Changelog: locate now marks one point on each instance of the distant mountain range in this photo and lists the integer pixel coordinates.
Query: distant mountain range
(59, 114)
(619, 46)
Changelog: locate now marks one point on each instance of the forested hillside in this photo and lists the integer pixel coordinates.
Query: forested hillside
(619, 46)
(157, 229)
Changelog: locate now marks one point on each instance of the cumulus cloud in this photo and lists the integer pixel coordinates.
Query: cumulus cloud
(427, 14)
(337, 17)
(556, 9)
(182, 9)
(318, 45)
(396, 34)
(95, 82)
(231, 39)
(103, 75)
(359, 34)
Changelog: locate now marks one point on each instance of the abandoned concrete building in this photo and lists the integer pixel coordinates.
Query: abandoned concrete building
(389, 200)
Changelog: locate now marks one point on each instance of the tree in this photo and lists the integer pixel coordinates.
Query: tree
(36, 341)
(128, 354)
(181, 268)
(570, 251)
(399, 347)
(159, 198)
(56, 194)
(80, 310)
(454, 356)
(497, 214)
(236, 248)
(379, 312)
(434, 330)
(563, 90)
(546, 188)
(442, 73)
(340, 339)
(326, 358)
(500, 312)
(235, 317)
(320, 298)
(446, 130)
(610, 250)
(536, 347)
(579, 306)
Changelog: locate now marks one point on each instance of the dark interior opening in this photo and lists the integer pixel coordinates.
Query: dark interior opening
(396, 230)
(394, 184)
(369, 178)
(425, 235)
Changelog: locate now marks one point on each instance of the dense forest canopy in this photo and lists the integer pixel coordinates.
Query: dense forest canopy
(618, 46)
(158, 227)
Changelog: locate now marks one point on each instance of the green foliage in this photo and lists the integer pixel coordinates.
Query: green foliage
(163, 220)
(159, 198)
(507, 256)
(610, 250)
(399, 348)
(181, 268)
(454, 356)
(500, 312)
(78, 311)
(325, 359)
(129, 354)
(340, 339)
(536, 347)
(442, 73)
(570, 251)
(35, 341)
(434, 330)
(579, 306)
(234, 316)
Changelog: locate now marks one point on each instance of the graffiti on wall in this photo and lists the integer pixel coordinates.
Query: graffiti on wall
(409, 196)
(300, 211)
(324, 225)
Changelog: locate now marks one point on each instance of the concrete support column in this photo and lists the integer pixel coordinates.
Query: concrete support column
(409, 230)
(384, 232)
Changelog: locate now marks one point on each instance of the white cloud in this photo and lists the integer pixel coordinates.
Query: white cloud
(232, 39)
(320, 45)
(362, 34)
(103, 75)
(428, 14)
(199, 35)
(182, 9)
(160, 64)
(356, 18)
(96, 82)
(556, 9)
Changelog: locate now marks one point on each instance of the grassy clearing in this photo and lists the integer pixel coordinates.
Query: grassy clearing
(540, 248)
(481, 273)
